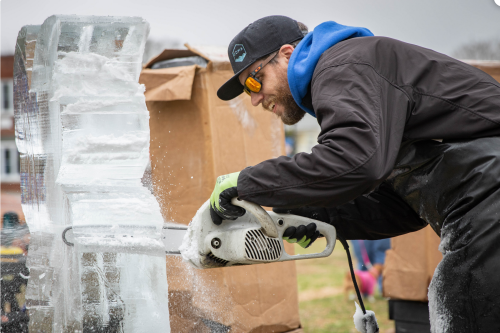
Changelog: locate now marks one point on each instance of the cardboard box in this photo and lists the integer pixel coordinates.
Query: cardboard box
(412, 259)
(195, 137)
(492, 67)
(410, 264)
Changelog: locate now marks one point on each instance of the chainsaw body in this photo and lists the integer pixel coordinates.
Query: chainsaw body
(255, 238)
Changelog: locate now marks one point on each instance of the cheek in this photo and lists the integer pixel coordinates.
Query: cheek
(270, 84)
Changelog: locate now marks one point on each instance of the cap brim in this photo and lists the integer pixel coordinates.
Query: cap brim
(232, 88)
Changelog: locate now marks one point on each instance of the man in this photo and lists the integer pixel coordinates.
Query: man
(409, 137)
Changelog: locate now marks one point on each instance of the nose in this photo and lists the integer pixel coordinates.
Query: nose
(256, 98)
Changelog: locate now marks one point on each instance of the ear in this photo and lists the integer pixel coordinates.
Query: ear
(286, 52)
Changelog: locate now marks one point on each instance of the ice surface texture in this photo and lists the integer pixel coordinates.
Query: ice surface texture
(82, 129)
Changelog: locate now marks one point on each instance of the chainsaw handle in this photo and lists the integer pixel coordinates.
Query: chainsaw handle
(268, 226)
(289, 220)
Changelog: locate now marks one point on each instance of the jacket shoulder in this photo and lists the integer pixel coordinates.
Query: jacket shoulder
(359, 50)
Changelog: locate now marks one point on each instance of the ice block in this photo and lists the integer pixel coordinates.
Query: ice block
(82, 129)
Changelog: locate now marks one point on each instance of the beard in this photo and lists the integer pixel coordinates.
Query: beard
(292, 113)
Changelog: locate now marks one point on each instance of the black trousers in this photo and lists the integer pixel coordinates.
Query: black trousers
(464, 295)
(455, 187)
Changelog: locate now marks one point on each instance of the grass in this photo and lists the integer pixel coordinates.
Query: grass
(322, 304)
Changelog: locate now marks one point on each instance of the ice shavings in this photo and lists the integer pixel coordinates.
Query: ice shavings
(242, 114)
(365, 323)
(189, 249)
(440, 318)
(438, 314)
(210, 298)
(276, 137)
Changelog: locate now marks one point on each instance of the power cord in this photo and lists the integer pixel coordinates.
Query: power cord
(346, 248)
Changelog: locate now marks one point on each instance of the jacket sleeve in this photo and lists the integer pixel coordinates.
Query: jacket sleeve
(362, 119)
(380, 214)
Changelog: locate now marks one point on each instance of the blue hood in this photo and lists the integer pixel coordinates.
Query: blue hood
(306, 55)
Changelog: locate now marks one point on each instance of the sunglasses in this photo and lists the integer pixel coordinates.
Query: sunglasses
(252, 84)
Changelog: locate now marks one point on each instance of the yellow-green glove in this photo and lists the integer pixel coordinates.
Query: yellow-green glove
(304, 235)
(220, 200)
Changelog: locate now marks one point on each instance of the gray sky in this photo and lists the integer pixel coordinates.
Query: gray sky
(442, 25)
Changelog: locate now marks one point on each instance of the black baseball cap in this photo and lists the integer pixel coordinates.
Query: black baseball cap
(257, 40)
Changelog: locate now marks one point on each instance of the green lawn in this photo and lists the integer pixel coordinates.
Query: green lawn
(323, 307)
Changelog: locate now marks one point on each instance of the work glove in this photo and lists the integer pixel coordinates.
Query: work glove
(304, 235)
(220, 200)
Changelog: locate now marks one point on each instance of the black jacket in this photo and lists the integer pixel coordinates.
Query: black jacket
(370, 94)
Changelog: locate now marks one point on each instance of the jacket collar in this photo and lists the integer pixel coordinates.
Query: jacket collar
(307, 53)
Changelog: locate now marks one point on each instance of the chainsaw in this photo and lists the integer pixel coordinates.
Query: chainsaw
(254, 238)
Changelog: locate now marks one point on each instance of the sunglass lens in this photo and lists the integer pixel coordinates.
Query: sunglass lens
(253, 85)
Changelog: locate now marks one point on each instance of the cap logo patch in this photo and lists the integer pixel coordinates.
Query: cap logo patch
(239, 53)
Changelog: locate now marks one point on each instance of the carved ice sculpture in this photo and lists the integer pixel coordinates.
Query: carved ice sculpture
(82, 129)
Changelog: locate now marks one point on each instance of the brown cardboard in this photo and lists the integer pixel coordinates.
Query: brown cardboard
(169, 84)
(412, 259)
(410, 264)
(172, 54)
(196, 137)
(489, 66)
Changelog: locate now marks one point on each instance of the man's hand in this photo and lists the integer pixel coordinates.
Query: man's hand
(304, 235)
(220, 200)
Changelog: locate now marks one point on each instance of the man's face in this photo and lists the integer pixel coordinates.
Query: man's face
(275, 95)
